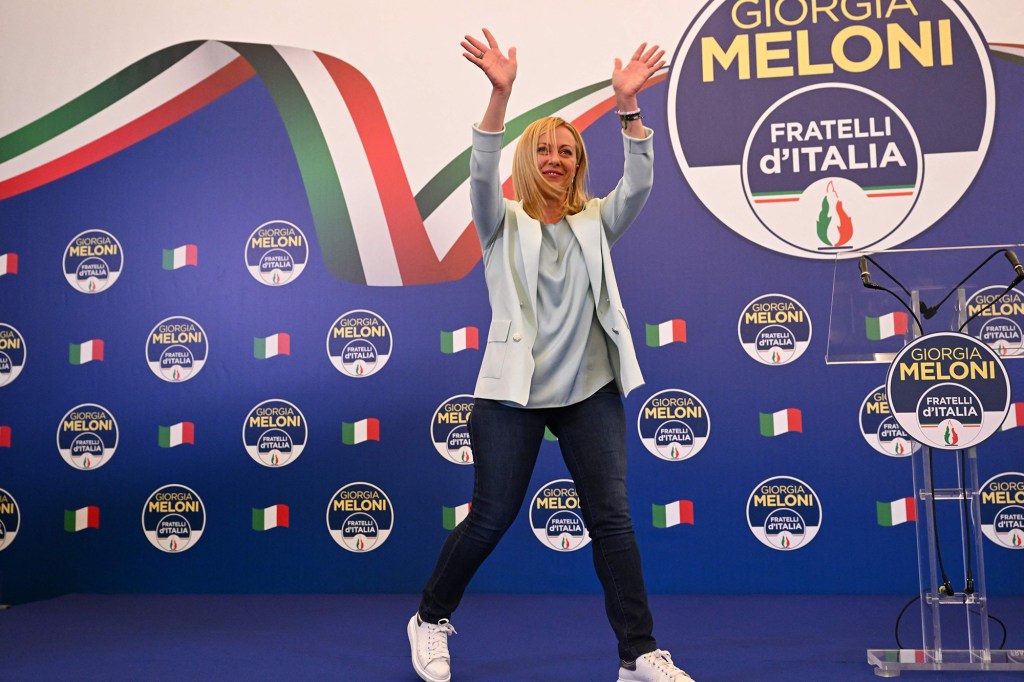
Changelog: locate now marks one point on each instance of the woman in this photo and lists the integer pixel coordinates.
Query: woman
(558, 354)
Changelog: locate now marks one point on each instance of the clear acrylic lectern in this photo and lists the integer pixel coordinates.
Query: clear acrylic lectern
(871, 326)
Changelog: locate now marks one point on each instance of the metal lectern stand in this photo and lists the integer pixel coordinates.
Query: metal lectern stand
(954, 629)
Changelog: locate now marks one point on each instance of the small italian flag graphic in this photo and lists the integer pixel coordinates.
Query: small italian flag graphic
(893, 324)
(672, 514)
(360, 432)
(276, 344)
(453, 516)
(81, 353)
(80, 519)
(9, 264)
(783, 421)
(1014, 418)
(459, 340)
(905, 656)
(271, 517)
(177, 434)
(5, 436)
(181, 256)
(670, 331)
(896, 512)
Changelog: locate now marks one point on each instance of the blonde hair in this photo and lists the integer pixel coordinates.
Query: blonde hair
(530, 187)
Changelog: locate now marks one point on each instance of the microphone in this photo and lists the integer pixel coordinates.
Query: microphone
(865, 278)
(1010, 256)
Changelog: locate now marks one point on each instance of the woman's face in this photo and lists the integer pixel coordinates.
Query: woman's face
(556, 158)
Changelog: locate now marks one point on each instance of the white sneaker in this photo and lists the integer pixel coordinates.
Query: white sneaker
(429, 644)
(655, 666)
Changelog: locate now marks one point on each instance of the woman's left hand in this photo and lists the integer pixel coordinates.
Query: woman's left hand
(628, 80)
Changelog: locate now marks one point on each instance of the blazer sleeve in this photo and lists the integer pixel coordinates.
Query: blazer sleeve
(485, 197)
(624, 203)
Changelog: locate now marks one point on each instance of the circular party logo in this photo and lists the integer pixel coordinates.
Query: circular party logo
(674, 425)
(276, 253)
(93, 261)
(10, 519)
(274, 433)
(359, 343)
(12, 353)
(881, 430)
(449, 429)
(556, 518)
(948, 390)
(774, 329)
(811, 128)
(360, 517)
(1000, 320)
(173, 518)
(784, 513)
(87, 436)
(176, 349)
(1002, 509)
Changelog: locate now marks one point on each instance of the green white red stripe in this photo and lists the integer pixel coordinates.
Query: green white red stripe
(275, 516)
(453, 516)
(177, 434)
(5, 436)
(892, 324)
(896, 512)
(670, 331)
(371, 227)
(80, 519)
(460, 340)
(275, 344)
(87, 351)
(672, 514)
(1014, 418)
(181, 256)
(360, 431)
(8, 264)
(784, 421)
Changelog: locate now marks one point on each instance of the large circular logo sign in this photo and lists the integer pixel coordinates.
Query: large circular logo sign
(12, 353)
(948, 390)
(881, 430)
(276, 253)
(359, 343)
(176, 349)
(449, 429)
(10, 519)
(274, 433)
(774, 329)
(556, 517)
(87, 436)
(674, 425)
(1000, 321)
(360, 517)
(93, 261)
(784, 513)
(173, 518)
(1002, 509)
(817, 128)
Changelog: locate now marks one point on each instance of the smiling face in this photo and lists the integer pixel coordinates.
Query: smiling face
(557, 157)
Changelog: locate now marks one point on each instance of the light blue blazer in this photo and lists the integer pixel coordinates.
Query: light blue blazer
(510, 241)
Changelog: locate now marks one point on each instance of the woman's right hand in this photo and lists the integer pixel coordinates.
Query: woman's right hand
(498, 68)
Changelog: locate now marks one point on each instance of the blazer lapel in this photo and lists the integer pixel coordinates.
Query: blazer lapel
(587, 230)
(529, 243)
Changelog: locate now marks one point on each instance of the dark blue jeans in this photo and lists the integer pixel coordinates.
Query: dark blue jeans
(506, 440)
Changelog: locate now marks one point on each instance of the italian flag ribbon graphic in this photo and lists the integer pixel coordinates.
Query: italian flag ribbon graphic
(371, 226)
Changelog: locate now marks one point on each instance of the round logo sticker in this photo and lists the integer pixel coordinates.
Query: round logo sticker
(1002, 509)
(87, 436)
(784, 513)
(556, 518)
(359, 343)
(449, 429)
(674, 425)
(176, 349)
(274, 433)
(999, 325)
(881, 430)
(93, 261)
(276, 253)
(836, 147)
(774, 329)
(360, 517)
(12, 353)
(173, 518)
(10, 519)
(948, 390)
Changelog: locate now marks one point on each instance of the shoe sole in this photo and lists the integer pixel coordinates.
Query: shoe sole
(423, 674)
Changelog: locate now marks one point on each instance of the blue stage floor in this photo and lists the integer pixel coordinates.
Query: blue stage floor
(361, 638)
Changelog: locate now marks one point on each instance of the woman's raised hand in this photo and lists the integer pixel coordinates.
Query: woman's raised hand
(498, 68)
(629, 79)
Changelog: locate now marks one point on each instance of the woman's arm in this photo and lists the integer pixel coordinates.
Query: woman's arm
(628, 80)
(500, 70)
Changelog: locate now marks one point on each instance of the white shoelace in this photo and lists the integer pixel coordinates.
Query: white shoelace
(437, 639)
(662, 662)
